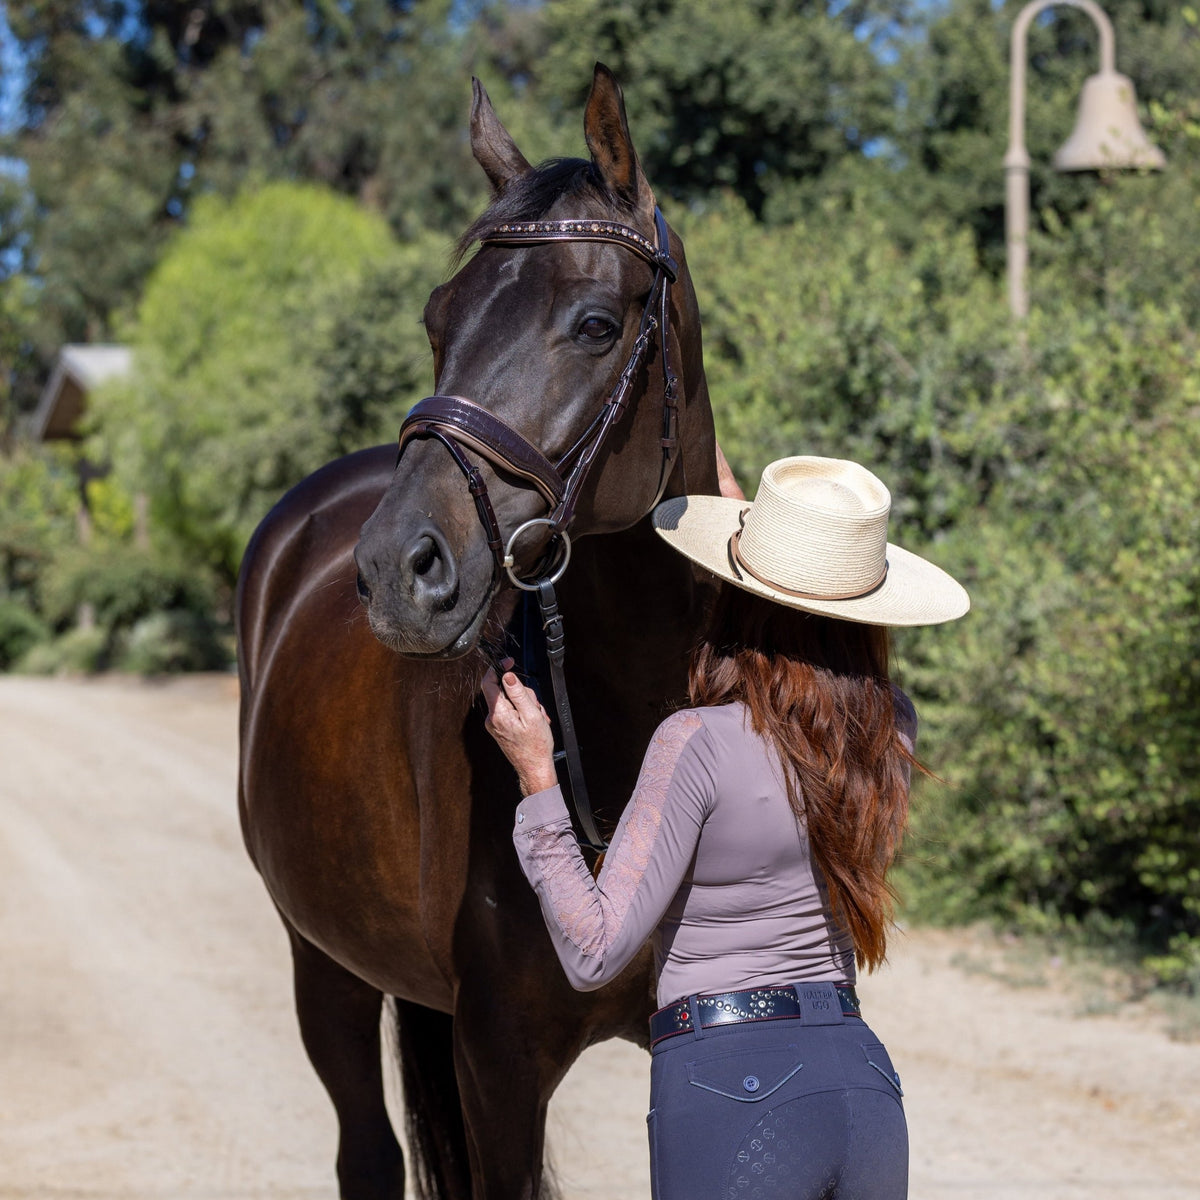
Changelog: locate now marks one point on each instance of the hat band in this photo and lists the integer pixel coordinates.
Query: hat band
(740, 562)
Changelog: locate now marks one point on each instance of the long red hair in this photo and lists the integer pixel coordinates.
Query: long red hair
(818, 689)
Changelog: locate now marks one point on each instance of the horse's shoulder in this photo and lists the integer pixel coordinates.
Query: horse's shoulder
(334, 500)
(307, 538)
(346, 484)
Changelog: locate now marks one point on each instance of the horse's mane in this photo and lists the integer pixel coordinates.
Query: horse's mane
(532, 195)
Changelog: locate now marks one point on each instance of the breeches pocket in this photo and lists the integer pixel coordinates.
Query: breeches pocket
(877, 1060)
(748, 1076)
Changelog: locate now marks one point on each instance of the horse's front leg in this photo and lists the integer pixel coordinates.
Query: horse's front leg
(511, 1050)
(339, 1023)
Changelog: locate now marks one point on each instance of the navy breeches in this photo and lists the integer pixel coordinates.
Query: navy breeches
(801, 1108)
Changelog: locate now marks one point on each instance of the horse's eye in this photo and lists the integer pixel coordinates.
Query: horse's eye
(596, 329)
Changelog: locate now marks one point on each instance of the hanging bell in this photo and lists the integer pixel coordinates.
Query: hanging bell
(1107, 132)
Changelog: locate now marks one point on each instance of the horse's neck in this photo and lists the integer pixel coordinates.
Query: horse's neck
(633, 609)
(634, 571)
(695, 469)
(632, 615)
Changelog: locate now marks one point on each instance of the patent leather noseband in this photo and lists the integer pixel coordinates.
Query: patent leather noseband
(462, 425)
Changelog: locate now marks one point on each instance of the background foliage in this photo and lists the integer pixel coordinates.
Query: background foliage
(242, 340)
(258, 197)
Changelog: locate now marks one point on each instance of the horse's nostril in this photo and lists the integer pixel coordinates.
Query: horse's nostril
(427, 569)
(364, 592)
(425, 556)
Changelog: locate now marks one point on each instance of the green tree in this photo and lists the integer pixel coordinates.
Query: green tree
(234, 397)
(375, 363)
(802, 357)
(18, 375)
(39, 499)
(729, 95)
(132, 111)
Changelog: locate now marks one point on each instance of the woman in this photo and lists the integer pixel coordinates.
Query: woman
(755, 849)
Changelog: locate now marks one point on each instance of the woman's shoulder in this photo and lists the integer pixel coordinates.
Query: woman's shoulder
(678, 728)
(696, 743)
(720, 722)
(708, 715)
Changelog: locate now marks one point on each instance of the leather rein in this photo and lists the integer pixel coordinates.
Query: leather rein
(461, 425)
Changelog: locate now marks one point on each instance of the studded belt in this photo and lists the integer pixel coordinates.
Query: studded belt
(822, 1003)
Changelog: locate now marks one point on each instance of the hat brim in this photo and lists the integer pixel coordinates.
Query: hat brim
(913, 592)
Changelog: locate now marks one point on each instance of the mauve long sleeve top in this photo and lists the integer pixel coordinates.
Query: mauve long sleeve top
(708, 861)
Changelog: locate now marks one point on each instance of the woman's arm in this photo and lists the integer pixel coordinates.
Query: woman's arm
(730, 488)
(598, 925)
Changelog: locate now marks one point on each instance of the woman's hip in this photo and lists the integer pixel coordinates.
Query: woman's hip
(784, 1108)
(752, 1063)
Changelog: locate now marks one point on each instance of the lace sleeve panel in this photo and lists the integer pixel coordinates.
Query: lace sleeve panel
(598, 925)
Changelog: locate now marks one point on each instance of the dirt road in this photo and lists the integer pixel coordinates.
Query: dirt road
(148, 1049)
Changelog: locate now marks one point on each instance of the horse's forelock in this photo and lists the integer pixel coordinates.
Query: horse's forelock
(531, 196)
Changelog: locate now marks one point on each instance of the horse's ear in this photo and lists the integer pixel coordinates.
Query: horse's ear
(613, 155)
(492, 144)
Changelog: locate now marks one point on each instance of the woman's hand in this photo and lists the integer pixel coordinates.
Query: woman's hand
(730, 488)
(521, 729)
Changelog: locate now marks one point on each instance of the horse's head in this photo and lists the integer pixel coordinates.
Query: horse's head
(535, 333)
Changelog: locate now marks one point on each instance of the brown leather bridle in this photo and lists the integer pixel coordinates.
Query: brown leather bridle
(459, 423)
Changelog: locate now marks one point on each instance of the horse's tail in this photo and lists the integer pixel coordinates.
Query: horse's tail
(437, 1140)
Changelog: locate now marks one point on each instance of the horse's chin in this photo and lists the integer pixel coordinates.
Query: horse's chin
(439, 643)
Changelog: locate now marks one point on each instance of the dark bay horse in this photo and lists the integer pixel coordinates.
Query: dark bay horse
(374, 805)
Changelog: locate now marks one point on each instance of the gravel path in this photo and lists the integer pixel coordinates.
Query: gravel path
(148, 1048)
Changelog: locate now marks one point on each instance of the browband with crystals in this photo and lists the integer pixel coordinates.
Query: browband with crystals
(740, 563)
(511, 232)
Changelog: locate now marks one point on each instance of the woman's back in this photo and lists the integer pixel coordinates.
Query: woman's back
(752, 908)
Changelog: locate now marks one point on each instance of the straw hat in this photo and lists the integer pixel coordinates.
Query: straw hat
(815, 539)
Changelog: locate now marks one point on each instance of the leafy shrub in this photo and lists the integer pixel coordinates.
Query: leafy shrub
(20, 630)
(225, 409)
(1055, 469)
(856, 348)
(121, 585)
(166, 642)
(39, 500)
(76, 652)
(145, 613)
(1063, 711)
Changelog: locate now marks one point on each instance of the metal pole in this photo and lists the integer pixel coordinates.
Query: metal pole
(1016, 160)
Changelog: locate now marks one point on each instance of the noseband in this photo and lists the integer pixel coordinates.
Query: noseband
(459, 423)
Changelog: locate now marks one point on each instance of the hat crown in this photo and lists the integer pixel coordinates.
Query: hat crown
(815, 539)
(818, 528)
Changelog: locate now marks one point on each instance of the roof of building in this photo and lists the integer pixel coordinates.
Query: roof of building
(78, 369)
